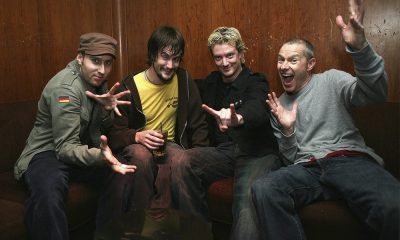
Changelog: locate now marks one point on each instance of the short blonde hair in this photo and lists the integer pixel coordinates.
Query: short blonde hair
(229, 35)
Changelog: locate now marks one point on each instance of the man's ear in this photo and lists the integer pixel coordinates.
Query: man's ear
(79, 58)
(310, 64)
(241, 54)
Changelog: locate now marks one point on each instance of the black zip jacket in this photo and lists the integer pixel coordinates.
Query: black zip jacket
(248, 92)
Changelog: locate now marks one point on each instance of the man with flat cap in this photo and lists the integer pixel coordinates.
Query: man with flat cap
(66, 142)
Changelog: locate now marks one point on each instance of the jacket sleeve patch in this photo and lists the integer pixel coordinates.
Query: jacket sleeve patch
(63, 99)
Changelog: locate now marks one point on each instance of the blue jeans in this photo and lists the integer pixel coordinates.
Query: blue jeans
(47, 180)
(369, 190)
(247, 170)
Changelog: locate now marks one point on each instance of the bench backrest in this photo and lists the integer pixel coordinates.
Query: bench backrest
(379, 125)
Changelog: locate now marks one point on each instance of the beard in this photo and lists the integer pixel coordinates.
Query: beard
(160, 76)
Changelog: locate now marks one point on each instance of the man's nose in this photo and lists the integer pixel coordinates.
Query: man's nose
(170, 63)
(101, 68)
(224, 62)
(284, 65)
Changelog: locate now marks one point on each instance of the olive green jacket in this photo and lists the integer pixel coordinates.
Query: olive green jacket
(67, 122)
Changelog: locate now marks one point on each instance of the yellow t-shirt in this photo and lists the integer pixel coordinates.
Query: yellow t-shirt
(159, 103)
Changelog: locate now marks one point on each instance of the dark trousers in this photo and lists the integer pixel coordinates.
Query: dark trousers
(149, 186)
(47, 180)
(204, 165)
(370, 191)
(209, 164)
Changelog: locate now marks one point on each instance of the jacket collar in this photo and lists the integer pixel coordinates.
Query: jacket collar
(240, 81)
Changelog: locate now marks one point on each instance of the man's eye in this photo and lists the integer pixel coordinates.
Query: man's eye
(96, 61)
(108, 62)
(164, 56)
(177, 60)
(230, 55)
(217, 58)
(294, 61)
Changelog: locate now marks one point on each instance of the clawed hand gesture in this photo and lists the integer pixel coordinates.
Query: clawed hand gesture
(285, 117)
(109, 100)
(111, 160)
(353, 32)
(226, 117)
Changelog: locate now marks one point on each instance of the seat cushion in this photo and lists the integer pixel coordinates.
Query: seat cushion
(11, 220)
(331, 220)
(220, 200)
(81, 203)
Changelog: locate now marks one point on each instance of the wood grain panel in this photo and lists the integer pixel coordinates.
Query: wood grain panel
(20, 59)
(39, 38)
(383, 26)
(264, 25)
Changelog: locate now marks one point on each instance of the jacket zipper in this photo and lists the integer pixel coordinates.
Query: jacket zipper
(184, 127)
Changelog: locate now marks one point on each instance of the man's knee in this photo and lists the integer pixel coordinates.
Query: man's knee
(389, 209)
(46, 184)
(263, 189)
(138, 155)
(194, 158)
(49, 194)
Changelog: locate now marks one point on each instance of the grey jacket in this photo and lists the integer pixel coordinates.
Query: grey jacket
(67, 122)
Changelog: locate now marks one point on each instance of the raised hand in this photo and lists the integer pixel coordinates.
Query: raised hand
(109, 100)
(285, 117)
(111, 160)
(226, 117)
(353, 32)
(150, 138)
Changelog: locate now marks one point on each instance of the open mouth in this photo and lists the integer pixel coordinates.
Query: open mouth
(287, 79)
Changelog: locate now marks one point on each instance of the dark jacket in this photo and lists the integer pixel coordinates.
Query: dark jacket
(248, 92)
(191, 127)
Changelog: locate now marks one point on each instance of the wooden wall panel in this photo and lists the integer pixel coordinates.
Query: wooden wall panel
(264, 25)
(383, 26)
(20, 60)
(39, 38)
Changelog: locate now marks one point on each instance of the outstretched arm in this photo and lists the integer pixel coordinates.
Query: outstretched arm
(226, 117)
(111, 160)
(285, 117)
(353, 32)
(372, 81)
(109, 100)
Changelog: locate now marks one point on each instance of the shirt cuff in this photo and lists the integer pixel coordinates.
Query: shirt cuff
(290, 135)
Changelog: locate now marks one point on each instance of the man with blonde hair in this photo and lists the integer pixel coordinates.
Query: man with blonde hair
(242, 144)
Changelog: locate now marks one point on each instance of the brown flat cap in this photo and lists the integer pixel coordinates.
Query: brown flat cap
(97, 44)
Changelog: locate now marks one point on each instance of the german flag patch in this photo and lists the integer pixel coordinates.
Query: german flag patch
(63, 99)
